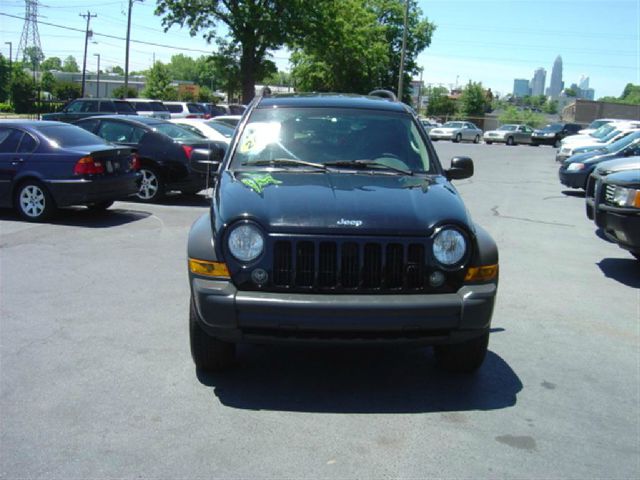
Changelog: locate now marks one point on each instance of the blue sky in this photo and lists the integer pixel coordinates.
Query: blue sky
(488, 41)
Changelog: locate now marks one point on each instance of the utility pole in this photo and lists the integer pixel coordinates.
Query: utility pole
(126, 55)
(87, 33)
(404, 47)
(98, 77)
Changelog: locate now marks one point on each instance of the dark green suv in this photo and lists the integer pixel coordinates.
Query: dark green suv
(88, 107)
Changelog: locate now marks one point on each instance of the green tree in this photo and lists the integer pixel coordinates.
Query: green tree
(527, 117)
(70, 65)
(182, 67)
(66, 90)
(51, 63)
(158, 82)
(33, 56)
(47, 82)
(255, 26)
(5, 79)
(22, 91)
(473, 101)
(570, 92)
(121, 92)
(439, 104)
(226, 63)
(118, 70)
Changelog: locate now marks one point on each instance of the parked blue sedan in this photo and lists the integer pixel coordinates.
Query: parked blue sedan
(45, 165)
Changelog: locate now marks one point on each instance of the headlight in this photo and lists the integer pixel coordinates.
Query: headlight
(549, 134)
(246, 243)
(574, 167)
(626, 197)
(449, 247)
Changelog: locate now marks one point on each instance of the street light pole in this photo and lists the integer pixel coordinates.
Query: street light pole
(98, 76)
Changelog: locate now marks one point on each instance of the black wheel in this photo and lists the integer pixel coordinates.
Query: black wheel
(556, 144)
(510, 141)
(100, 206)
(152, 186)
(463, 357)
(477, 139)
(534, 144)
(488, 143)
(458, 138)
(33, 202)
(208, 353)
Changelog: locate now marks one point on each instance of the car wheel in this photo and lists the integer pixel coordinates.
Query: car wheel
(100, 206)
(477, 139)
(208, 353)
(463, 357)
(510, 141)
(488, 143)
(458, 138)
(556, 144)
(534, 144)
(34, 202)
(151, 186)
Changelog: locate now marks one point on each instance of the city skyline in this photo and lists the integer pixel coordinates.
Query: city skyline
(492, 43)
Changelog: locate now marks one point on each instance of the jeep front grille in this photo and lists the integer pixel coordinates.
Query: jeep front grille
(349, 265)
(609, 192)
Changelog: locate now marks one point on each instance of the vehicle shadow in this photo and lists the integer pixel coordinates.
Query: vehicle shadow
(360, 380)
(623, 270)
(574, 193)
(601, 235)
(83, 217)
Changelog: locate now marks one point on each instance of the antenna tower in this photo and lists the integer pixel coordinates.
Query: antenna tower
(30, 36)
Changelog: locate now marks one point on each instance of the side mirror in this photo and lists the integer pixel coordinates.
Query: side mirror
(461, 168)
(210, 159)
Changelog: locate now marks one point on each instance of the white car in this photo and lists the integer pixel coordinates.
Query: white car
(211, 129)
(599, 134)
(456, 132)
(186, 109)
(621, 130)
(150, 108)
(597, 123)
(231, 120)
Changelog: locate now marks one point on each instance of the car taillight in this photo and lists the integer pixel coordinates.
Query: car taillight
(207, 116)
(187, 151)
(134, 162)
(88, 166)
(193, 116)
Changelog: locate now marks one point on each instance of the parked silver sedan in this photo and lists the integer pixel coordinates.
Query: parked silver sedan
(511, 134)
(456, 132)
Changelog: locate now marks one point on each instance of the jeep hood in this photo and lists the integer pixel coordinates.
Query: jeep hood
(338, 203)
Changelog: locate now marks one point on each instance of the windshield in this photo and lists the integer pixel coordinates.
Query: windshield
(553, 127)
(603, 130)
(221, 128)
(177, 132)
(623, 142)
(291, 136)
(64, 136)
(609, 136)
(598, 123)
(508, 128)
(452, 125)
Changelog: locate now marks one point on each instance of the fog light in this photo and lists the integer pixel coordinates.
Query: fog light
(436, 279)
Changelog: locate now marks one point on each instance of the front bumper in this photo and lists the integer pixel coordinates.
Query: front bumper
(441, 136)
(265, 317)
(82, 191)
(620, 225)
(543, 140)
(576, 179)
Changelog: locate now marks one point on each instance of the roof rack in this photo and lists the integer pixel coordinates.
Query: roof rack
(387, 94)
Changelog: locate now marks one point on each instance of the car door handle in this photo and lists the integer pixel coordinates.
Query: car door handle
(17, 161)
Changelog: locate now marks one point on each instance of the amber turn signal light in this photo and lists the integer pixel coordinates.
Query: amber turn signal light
(481, 274)
(208, 269)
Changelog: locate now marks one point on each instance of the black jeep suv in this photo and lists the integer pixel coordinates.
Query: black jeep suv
(553, 133)
(88, 107)
(332, 220)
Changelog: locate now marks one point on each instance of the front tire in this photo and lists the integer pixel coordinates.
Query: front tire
(208, 353)
(556, 144)
(465, 357)
(33, 202)
(458, 138)
(488, 143)
(152, 187)
(477, 139)
(510, 141)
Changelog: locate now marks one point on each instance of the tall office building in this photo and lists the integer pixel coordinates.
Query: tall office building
(556, 84)
(521, 87)
(584, 82)
(538, 81)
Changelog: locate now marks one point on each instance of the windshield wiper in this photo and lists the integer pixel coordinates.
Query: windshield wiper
(284, 161)
(364, 164)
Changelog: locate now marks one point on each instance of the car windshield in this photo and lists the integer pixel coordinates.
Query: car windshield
(597, 124)
(177, 132)
(610, 135)
(453, 125)
(602, 131)
(553, 127)
(221, 128)
(623, 142)
(508, 128)
(309, 137)
(65, 136)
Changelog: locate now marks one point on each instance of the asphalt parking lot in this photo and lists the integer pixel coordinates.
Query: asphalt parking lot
(96, 378)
